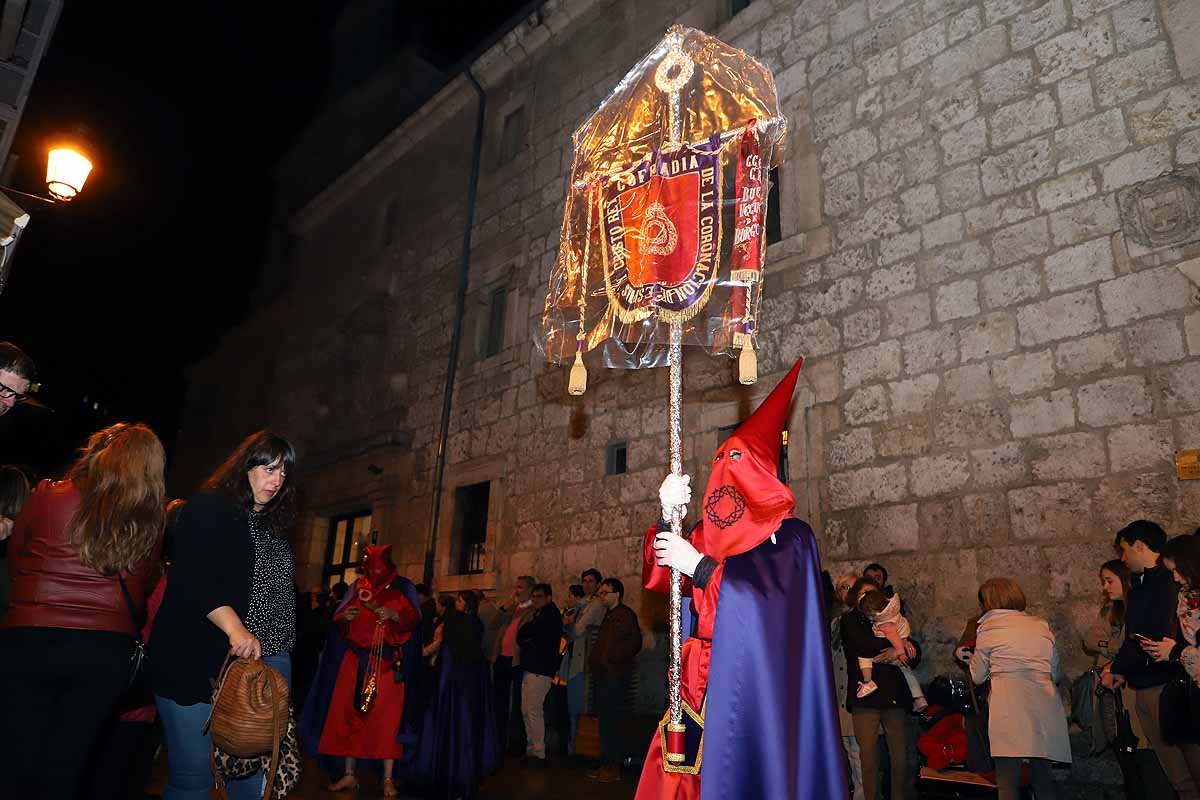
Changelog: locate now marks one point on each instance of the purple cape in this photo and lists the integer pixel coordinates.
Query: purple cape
(316, 707)
(771, 728)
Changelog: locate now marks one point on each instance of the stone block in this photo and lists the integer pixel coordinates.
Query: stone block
(806, 45)
(1057, 511)
(957, 300)
(1115, 401)
(881, 219)
(964, 24)
(1123, 79)
(1001, 466)
(850, 448)
(1038, 25)
(1006, 81)
(1181, 18)
(920, 204)
(1075, 98)
(1187, 149)
(891, 281)
(968, 384)
(1021, 241)
(930, 350)
(998, 213)
(815, 338)
(907, 314)
(882, 65)
(1136, 22)
(1166, 113)
(849, 21)
(1155, 341)
(1120, 499)
(869, 107)
(1062, 317)
(913, 396)
(1075, 50)
(842, 194)
(985, 517)
(1091, 354)
(869, 364)
(1011, 286)
(1182, 390)
(1023, 119)
(1068, 456)
(1135, 447)
(1017, 166)
(922, 161)
(883, 177)
(848, 151)
(1086, 220)
(922, 46)
(1138, 166)
(862, 327)
(1024, 373)
(973, 55)
(941, 232)
(962, 259)
(1144, 294)
(941, 525)
(900, 246)
(833, 120)
(1038, 416)
(939, 9)
(965, 143)
(974, 425)
(887, 529)
(952, 106)
(987, 337)
(960, 188)
(869, 487)
(1067, 190)
(940, 474)
(847, 262)
(1092, 139)
(1079, 265)
(1089, 8)
(900, 129)
(903, 437)
(866, 405)
(1191, 328)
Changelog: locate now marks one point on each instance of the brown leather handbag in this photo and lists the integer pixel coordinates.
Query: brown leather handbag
(249, 714)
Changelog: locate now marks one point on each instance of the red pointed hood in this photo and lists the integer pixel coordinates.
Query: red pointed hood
(745, 501)
(377, 565)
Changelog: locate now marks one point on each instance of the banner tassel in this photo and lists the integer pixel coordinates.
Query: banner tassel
(748, 362)
(578, 381)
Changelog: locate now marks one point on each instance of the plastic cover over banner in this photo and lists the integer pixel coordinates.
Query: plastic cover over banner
(665, 208)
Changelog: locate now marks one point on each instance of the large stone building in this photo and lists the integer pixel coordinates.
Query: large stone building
(989, 226)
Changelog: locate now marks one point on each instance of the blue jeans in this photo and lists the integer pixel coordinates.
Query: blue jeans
(190, 777)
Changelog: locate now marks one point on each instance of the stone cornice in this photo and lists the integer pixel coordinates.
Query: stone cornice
(490, 69)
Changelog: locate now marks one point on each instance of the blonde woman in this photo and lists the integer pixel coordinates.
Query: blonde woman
(68, 635)
(1026, 719)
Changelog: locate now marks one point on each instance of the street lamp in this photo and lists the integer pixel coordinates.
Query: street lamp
(66, 172)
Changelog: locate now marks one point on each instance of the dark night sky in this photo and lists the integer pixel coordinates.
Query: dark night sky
(114, 294)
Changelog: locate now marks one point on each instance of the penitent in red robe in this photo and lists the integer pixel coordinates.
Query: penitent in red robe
(348, 732)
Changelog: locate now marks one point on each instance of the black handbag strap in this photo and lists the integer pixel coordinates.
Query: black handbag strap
(137, 621)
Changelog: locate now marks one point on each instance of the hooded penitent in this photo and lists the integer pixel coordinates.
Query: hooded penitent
(745, 500)
(377, 566)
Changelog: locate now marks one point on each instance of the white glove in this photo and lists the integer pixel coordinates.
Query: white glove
(6, 528)
(963, 654)
(676, 490)
(675, 551)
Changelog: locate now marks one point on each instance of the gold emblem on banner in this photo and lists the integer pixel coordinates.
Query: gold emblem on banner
(1187, 464)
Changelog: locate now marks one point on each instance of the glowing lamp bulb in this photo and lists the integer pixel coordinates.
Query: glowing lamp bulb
(66, 172)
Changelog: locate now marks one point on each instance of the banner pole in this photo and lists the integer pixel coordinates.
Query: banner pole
(675, 671)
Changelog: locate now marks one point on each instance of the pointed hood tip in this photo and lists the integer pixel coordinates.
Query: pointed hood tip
(763, 429)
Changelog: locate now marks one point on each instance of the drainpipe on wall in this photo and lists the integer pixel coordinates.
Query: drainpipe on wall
(456, 339)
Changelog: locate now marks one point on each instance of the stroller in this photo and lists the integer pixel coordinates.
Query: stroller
(954, 747)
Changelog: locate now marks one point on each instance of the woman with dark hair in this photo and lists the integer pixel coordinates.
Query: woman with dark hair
(231, 589)
(1182, 556)
(83, 551)
(458, 744)
(887, 706)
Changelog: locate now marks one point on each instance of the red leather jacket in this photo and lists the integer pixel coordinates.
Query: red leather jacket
(50, 587)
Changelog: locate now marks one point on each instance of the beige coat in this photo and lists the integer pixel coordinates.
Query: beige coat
(1025, 714)
(1102, 641)
(579, 632)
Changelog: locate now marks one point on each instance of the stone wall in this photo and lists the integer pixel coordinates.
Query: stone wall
(989, 213)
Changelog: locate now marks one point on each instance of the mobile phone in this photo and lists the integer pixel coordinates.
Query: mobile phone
(1142, 638)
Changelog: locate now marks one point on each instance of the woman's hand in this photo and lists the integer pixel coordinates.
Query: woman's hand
(910, 649)
(350, 613)
(386, 614)
(245, 644)
(6, 526)
(1159, 651)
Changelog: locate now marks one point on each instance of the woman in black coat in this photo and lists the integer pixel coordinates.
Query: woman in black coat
(887, 706)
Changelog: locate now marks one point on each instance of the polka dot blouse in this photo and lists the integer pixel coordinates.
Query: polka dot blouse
(272, 614)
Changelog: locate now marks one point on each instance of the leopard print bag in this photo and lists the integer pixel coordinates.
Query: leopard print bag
(287, 775)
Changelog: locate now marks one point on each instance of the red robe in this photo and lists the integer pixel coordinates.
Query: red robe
(655, 783)
(372, 735)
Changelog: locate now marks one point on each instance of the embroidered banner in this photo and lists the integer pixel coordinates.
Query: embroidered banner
(661, 220)
(746, 257)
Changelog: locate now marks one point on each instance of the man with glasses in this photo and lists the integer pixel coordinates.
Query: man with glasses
(611, 662)
(26, 437)
(17, 374)
(537, 643)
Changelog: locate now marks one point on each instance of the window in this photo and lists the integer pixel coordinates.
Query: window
(391, 218)
(725, 431)
(470, 528)
(615, 458)
(493, 342)
(774, 229)
(348, 535)
(512, 134)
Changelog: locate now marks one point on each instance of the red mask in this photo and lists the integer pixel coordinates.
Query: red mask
(745, 501)
(377, 565)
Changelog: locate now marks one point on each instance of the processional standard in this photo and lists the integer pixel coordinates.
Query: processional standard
(678, 154)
